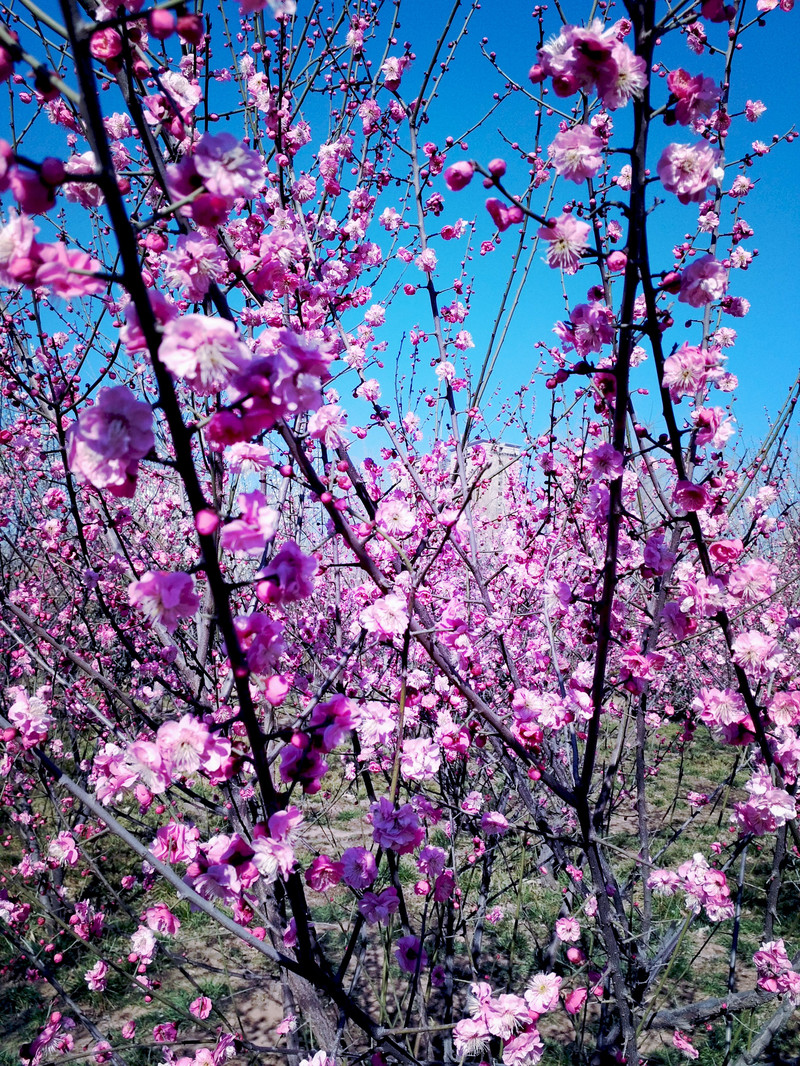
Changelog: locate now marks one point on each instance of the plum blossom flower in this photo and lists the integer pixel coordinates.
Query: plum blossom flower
(160, 919)
(694, 96)
(164, 597)
(194, 264)
(256, 525)
(458, 176)
(29, 715)
(568, 930)
(605, 463)
(96, 977)
(576, 153)
(106, 443)
(687, 170)
(377, 909)
(684, 1044)
(204, 352)
(542, 993)
(767, 809)
(420, 760)
(567, 239)
(524, 1049)
(288, 576)
(410, 954)
(63, 849)
(396, 828)
(359, 869)
(703, 281)
(387, 617)
(328, 425)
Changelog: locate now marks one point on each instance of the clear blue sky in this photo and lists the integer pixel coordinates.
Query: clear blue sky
(766, 357)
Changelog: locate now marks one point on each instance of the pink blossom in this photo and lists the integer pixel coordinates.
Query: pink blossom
(176, 842)
(29, 715)
(542, 993)
(459, 175)
(164, 597)
(328, 424)
(703, 281)
(288, 576)
(204, 352)
(19, 251)
(493, 823)
(200, 1007)
(410, 954)
(504, 215)
(63, 849)
(106, 443)
(767, 809)
(568, 930)
(420, 760)
(302, 762)
(387, 617)
(574, 1002)
(525, 1049)
(358, 868)
(160, 919)
(605, 463)
(684, 1044)
(223, 165)
(98, 975)
(576, 153)
(471, 1037)
(256, 525)
(183, 744)
(687, 170)
(194, 264)
(68, 272)
(567, 239)
(396, 828)
(323, 874)
(379, 908)
(752, 650)
(694, 96)
(689, 496)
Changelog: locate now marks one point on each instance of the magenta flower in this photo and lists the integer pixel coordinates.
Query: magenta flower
(694, 96)
(568, 930)
(605, 463)
(542, 992)
(525, 1049)
(576, 153)
(323, 874)
(386, 617)
(164, 597)
(288, 576)
(687, 170)
(63, 850)
(397, 828)
(567, 238)
(703, 281)
(254, 528)
(160, 919)
(204, 352)
(358, 868)
(410, 954)
(68, 271)
(106, 443)
(459, 175)
(96, 977)
(379, 908)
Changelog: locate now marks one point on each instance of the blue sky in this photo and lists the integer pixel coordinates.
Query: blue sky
(766, 355)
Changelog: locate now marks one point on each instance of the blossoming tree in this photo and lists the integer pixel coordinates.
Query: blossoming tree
(466, 731)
